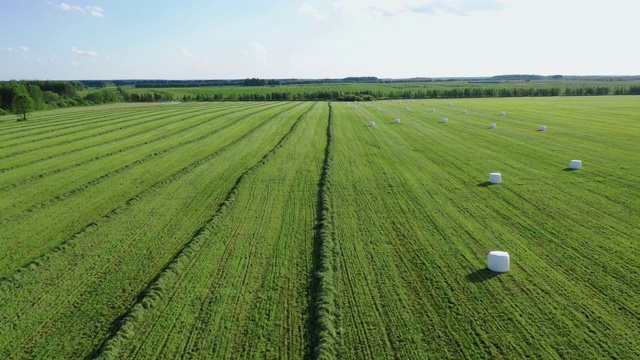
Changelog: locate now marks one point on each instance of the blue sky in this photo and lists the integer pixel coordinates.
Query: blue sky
(225, 39)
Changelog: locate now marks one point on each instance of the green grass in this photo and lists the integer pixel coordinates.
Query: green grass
(295, 230)
(411, 200)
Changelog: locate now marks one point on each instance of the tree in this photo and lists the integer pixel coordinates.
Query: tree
(21, 105)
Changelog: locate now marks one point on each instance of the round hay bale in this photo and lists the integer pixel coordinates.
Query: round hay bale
(372, 123)
(406, 108)
(399, 102)
(495, 178)
(397, 121)
(449, 104)
(433, 110)
(464, 111)
(503, 113)
(445, 120)
(542, 128)
(498, 261)
(492, 126)
(576, 164)
(378, 109)
(355, 107)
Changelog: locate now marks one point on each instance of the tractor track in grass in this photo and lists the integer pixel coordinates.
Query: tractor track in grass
(101, 156)
(119, 170)
(118, 209)
(179, 265)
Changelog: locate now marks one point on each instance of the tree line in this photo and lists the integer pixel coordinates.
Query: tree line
(22, 97)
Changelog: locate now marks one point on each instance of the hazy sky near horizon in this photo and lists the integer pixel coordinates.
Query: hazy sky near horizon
(226, 39)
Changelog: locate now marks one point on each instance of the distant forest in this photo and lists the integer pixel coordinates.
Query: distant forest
(29, 95)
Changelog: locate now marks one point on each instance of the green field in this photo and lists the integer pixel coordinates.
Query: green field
(295, 230)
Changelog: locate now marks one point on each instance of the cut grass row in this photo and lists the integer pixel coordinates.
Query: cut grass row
(62, 144)
(50, 225)
(78, 292)
(241, 289)
(85, 168)
(412, 282)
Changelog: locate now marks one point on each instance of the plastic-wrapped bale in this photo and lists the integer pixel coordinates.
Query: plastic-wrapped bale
(498, 261)
(382, 103)
(576, 164)
(433, 110)
(424, 103)
(372, 123)
(449, 104)
(378, 109)
(542, 128)
(492, 126)
(464, 111)
(503, 113)
(445, 120)
(495, 178)
(399, 102)
(406, 108)
(397, 121)
(355, 107)
(365, 104)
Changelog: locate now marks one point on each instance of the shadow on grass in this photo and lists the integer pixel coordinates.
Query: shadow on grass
(482, 275)
(485, 184)
(569, 169)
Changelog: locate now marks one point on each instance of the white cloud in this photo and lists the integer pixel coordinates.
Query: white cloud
(23, 49)
(91, 10)
(107, 57)
(95, 11)
(187, 54)
(75, 63)
(258, 52)
(7, 49)
(308, 9)
(377, 8)
(77, 51)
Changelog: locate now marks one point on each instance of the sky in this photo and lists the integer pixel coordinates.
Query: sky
(278, 39)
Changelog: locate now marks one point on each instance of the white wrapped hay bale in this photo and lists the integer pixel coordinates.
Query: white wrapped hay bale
(464, 111)
(372, 123)
(433, 110)
(355, 107)
(576, 164)
(449, 104)
(397, 121)
(378, 109)
(498, 261)
(495, 178)
(365, 104)
(503, 113)
(445, 120)
(399, 102)
(542, 128)
(492, 126)
(424, 103)
(406, 108)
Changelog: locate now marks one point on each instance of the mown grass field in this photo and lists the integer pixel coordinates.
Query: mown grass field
(295, 230)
